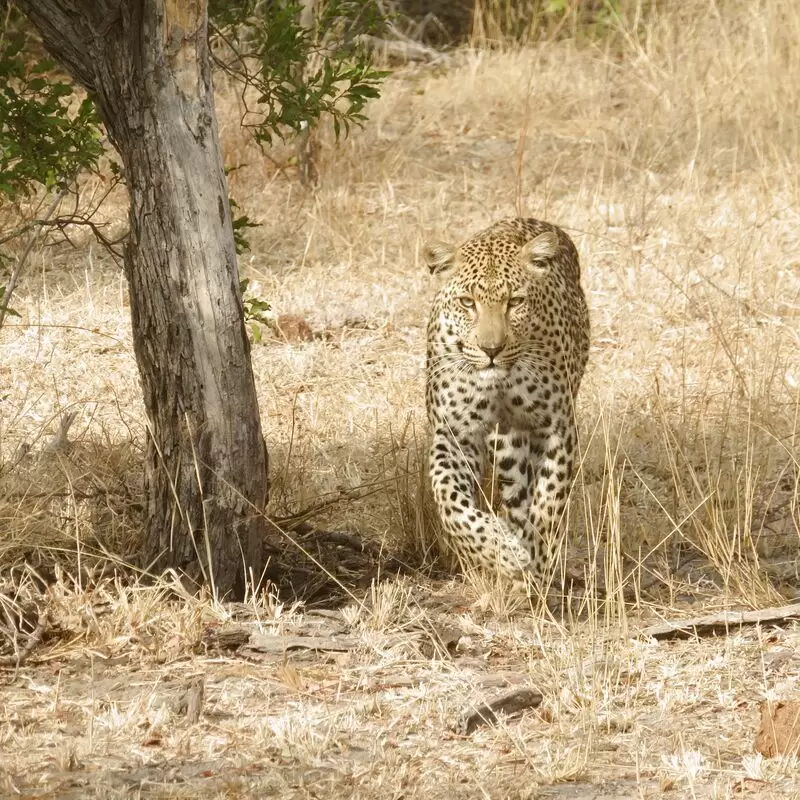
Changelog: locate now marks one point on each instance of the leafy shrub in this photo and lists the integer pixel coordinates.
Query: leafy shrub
(300, 74)
(42, 143)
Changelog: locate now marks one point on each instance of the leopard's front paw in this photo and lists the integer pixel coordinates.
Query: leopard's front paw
(513, 558)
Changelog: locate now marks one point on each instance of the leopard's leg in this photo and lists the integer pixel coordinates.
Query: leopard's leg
(479, 535)
(513, 456)
(553, 453)
(509, 459)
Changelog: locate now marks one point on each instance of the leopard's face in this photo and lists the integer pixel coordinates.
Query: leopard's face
(485, 314)
(489, 324)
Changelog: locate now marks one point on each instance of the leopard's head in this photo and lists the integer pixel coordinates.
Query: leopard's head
(487, 305)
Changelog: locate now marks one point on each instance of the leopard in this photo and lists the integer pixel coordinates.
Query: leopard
(507, 347)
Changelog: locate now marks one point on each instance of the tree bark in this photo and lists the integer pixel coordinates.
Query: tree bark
(146, 63)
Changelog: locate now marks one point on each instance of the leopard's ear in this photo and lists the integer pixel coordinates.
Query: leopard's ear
(439, 256)
(538, 251)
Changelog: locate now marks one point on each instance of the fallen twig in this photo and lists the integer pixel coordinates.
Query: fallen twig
(402, 48)
(33, 638)
(720, 622)
(344, 539)
(279, 645)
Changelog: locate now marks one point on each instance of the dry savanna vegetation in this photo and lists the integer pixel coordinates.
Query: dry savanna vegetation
(668, 148)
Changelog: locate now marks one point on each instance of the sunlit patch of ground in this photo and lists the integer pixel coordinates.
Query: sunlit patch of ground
(670, 158)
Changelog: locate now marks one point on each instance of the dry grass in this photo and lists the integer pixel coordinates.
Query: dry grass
(668, 152)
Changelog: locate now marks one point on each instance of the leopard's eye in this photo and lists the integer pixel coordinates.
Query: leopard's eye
(516, 300)
(467, 302)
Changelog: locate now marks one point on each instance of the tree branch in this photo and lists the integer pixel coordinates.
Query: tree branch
(66, 26)
(17, 271)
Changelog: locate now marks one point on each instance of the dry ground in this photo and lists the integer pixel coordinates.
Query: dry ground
(670, 154)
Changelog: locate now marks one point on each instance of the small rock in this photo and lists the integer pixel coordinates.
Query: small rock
(510, 704)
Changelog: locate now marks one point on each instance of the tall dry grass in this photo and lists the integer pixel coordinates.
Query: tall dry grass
(666, 147)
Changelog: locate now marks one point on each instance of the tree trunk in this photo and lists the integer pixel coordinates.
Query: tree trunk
(146, 62)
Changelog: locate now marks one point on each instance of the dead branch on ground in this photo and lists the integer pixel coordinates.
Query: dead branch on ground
(721, 622)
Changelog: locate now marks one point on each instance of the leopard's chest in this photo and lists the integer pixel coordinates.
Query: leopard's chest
(490, 400)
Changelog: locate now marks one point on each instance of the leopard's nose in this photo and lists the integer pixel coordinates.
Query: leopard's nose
(492, 352)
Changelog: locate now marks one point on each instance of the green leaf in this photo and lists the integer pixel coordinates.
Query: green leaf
(45, 65)
(289, 94)
(44, 142)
